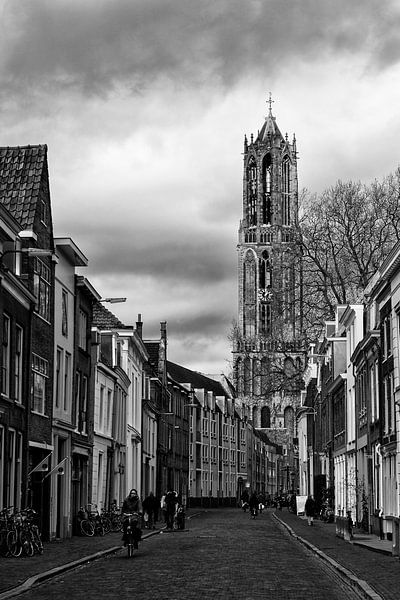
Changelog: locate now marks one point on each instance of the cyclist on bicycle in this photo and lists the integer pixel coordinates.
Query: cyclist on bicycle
(131, 505)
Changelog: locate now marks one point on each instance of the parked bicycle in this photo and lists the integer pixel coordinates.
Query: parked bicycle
(21, 533)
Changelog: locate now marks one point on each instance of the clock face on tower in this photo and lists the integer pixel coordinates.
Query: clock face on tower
(264, 295)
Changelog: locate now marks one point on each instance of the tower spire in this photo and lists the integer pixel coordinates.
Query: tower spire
(270, 102)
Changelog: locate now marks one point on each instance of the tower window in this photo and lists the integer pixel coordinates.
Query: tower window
(265, 278)
(265, 318)
(252, 193)
(265, 417)
(286, 191)
(267, 185)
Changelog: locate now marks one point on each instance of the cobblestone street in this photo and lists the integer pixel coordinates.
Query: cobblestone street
(221, 554)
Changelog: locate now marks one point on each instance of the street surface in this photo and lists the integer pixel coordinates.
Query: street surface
(220, 555)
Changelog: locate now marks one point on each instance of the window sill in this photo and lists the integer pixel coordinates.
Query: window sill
(34, 412)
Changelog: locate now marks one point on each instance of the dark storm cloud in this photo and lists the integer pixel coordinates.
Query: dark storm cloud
(94, 46)
(182, 255)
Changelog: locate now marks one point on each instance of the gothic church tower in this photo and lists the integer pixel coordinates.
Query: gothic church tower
(267, 341)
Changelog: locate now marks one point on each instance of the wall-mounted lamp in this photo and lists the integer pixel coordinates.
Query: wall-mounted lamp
(112, 300)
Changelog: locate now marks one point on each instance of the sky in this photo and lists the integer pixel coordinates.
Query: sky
(144, 105)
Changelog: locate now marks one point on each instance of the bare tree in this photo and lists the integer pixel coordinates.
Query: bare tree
(344, 235)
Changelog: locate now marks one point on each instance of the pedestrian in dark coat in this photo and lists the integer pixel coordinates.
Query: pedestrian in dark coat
(150, 508)
(171, 503)
(310, 509)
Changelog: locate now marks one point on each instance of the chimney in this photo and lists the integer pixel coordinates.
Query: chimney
(139, 326)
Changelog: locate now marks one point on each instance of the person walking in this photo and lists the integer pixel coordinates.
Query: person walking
(163, 507)
(310, 509)
(150, 508)
(253, 504)
(171, 502)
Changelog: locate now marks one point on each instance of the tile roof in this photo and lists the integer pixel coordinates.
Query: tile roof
(153, 349)
(104, 318)
(198, 380)
(21, 170)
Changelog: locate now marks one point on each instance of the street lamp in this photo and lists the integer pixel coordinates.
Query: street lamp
(112, 300)
(28, 251)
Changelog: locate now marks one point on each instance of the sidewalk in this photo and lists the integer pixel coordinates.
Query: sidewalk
(18, 574)
(367, 561)
(376, 573)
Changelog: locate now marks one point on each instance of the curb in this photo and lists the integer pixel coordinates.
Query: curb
(378, 550)
(359, 585)
(40, 577)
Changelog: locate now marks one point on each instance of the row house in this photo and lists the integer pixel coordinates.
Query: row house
(69, 257)
(353, 399)
(377, 365)
(25, 194)
(226, 455)
(326, 418)
(17, 304)
(86, 297)
(119, 384)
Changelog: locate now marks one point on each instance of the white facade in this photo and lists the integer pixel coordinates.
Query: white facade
(352, 321)
(132, 355)
(103, 435)
(69, 257)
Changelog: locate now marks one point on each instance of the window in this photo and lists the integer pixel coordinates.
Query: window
(67, 381)
(64, 308)
(213, 428)
(6, 348)
(40, 368)
(82, 330)
(18, 358)
(77, 399)
(109, 409)
(213, 454)
(267, 183)
(252, 193)
(265, 417)
(83, 426)
(389, 406)
(59, 360)
(205, 426)
(42, 285)
(101, 408)
(374, 396)
(286, 192)
(204, 452)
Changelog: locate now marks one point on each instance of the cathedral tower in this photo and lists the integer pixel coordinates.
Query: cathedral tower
(267, 339)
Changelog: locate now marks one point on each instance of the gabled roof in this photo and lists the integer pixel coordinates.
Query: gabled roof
(21, 170)
(104, 318)
(197, 380)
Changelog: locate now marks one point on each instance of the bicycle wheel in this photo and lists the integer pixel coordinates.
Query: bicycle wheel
(87, 527)
(26, 543)
(13, 544)
(99, 529)
(116, 524)
(106, 524)
(36, 540)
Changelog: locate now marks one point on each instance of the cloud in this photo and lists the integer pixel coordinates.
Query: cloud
(94, 47)
(144, 104)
